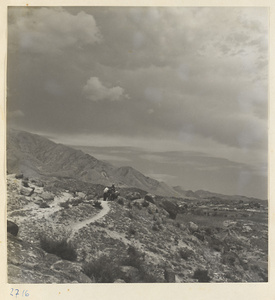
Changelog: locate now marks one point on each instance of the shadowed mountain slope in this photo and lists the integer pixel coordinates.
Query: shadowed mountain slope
(36, 156)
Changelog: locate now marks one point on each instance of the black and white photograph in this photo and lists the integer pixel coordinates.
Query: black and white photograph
(137, 144)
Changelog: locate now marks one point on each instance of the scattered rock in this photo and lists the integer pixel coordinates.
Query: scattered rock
(47, 196)
(229, 223)
(44, 205)
(81, 194)
(37, 182)
(25, 183)
(137, 203)
(12, 228)
(149, 198)
(133, 196)
(38, 201)
(119, 281)
(193, 227)
(25, 191)
(145, 203)
(19, 176)
(171, 207)
(64, 204)
(131, 274)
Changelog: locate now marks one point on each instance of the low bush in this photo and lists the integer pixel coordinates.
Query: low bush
(129, 205)
(97, 204)
(43, 205)
(102, 270)
(132, 230)
(59, 247)
(145, 203)
(64, 204)
(201, 275)
(185, 253)
(120, 201)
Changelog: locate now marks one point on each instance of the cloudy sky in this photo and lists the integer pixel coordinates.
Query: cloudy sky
(181, 94)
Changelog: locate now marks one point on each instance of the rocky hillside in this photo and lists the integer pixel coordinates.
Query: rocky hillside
(36, 156)
(62, 232)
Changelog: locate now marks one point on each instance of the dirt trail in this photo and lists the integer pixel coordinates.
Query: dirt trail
(78, 225)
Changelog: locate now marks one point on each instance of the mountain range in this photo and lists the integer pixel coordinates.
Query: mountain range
(36, 156)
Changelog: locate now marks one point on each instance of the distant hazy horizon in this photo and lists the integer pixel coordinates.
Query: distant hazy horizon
(183, 89)
(187, 170)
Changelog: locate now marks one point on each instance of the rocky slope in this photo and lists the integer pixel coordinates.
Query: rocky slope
(36, 156)
(65, 237)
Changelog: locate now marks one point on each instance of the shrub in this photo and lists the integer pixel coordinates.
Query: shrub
(132, 229)
(61, 247)
(130, 215)
(149, 198)
(97, 204)
(155, 227)
(43, 205)
(64, 204)
(25, 183)
(103, 270)
(145, 203)
(120, 201)
(185, 253)
(201, 275)
(136, 259)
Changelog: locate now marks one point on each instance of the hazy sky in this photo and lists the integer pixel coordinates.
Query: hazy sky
(186, 89)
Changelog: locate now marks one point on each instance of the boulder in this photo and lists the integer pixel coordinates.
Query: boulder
(133, 196)
(137, 203)
(25, 191)
(19, 176)
(38, 201)
(131, 274)
(171, 207)
(73, 271)
(193, 227)
(149, 198)
(25, 183)
(37, 182)
(47, 196)
(44, 205)
(12, 228)
(80, 195)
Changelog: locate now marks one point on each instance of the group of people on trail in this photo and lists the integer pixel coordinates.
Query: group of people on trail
(110, 193)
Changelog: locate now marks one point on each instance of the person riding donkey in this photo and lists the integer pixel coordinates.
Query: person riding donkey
(109, 193)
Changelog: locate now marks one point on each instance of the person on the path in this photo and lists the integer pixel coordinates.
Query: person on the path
(105, 193)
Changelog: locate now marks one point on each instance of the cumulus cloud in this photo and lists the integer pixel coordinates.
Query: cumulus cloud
(94, 90)
(44, 30)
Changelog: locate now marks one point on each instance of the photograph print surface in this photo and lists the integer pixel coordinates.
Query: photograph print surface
(137, 144)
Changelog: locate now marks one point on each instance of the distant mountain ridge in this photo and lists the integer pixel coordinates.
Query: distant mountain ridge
(202, 194)
(37, 156)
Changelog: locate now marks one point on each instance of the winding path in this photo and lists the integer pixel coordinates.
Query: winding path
(78, 225)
